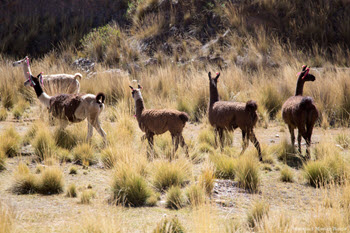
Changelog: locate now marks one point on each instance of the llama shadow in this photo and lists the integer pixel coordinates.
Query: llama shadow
(294, 160)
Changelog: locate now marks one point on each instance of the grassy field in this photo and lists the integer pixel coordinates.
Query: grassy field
(54, 181)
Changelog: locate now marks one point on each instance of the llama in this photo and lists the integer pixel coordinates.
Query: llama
(55, 83)
(159, 121)
(300, 112)
(227, 115)
(72, 107)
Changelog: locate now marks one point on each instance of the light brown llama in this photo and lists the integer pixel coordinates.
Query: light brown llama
(300, 112)
(159, 121)
(54, 83)
(73, 107)
(227, 115)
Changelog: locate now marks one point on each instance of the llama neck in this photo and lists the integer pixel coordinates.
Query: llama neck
(300, 87)
(139, 106)
(26, 70)
(214, 95)
(42, 96)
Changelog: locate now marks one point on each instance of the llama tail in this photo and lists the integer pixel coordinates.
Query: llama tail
(184, 117)
(307, 104)
(78, 76)
(101, 96)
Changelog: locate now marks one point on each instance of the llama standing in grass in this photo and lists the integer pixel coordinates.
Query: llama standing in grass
(300, 112)
(159, 121)
(72, 107)
(227, 115)
(55, 83)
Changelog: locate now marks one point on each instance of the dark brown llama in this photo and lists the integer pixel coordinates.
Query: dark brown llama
(300, 112)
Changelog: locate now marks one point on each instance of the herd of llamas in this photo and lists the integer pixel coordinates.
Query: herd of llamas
(60, 94)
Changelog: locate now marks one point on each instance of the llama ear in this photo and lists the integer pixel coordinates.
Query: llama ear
(217, 75)
(304, 67)
(131, 88)
(306, 72)
(139, 86)
(209, 74)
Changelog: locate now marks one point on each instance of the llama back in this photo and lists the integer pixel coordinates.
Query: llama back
(56, 84)
(64, 106)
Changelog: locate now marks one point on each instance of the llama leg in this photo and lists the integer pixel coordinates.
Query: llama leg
(299, 142)
(292, 137)
(183, 144)
(245, 138)
(97, 125)
(221, 137)
(90, 132)
(308, 141)
(256, 144)
(215, 137)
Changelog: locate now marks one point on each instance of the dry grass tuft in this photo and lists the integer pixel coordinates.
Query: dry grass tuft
(25, 182)
(65, 139)
(167, 225)
(286, 174)
(7, 217)
(207, 178)
(44, 144)
(86, 196)
(3, 114)
(195, 195)
(247, 173)
(225, 166)
(167, 174)
(3, 158)
(129, 187)
(258, 210)
(51, 181)
(84, 154)
(10, 142)
(71, 191)
(343, 140)
(174, 198)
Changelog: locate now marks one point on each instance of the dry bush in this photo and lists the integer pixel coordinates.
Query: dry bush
(167, 174)
(51, 181)
(10, 142)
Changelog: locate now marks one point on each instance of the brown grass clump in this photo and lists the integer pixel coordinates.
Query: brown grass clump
(84, 154)
(10, 142)
(167, 174)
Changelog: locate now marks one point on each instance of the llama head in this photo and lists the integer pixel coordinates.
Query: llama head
(34, 81)
(136, 93)
(305, 75)
(24, 61)
(213, 81)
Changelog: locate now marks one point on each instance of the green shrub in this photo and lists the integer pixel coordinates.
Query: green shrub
(130, 188)
(167, 174)
(247, 173)
(84, 154)
(174, 198)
